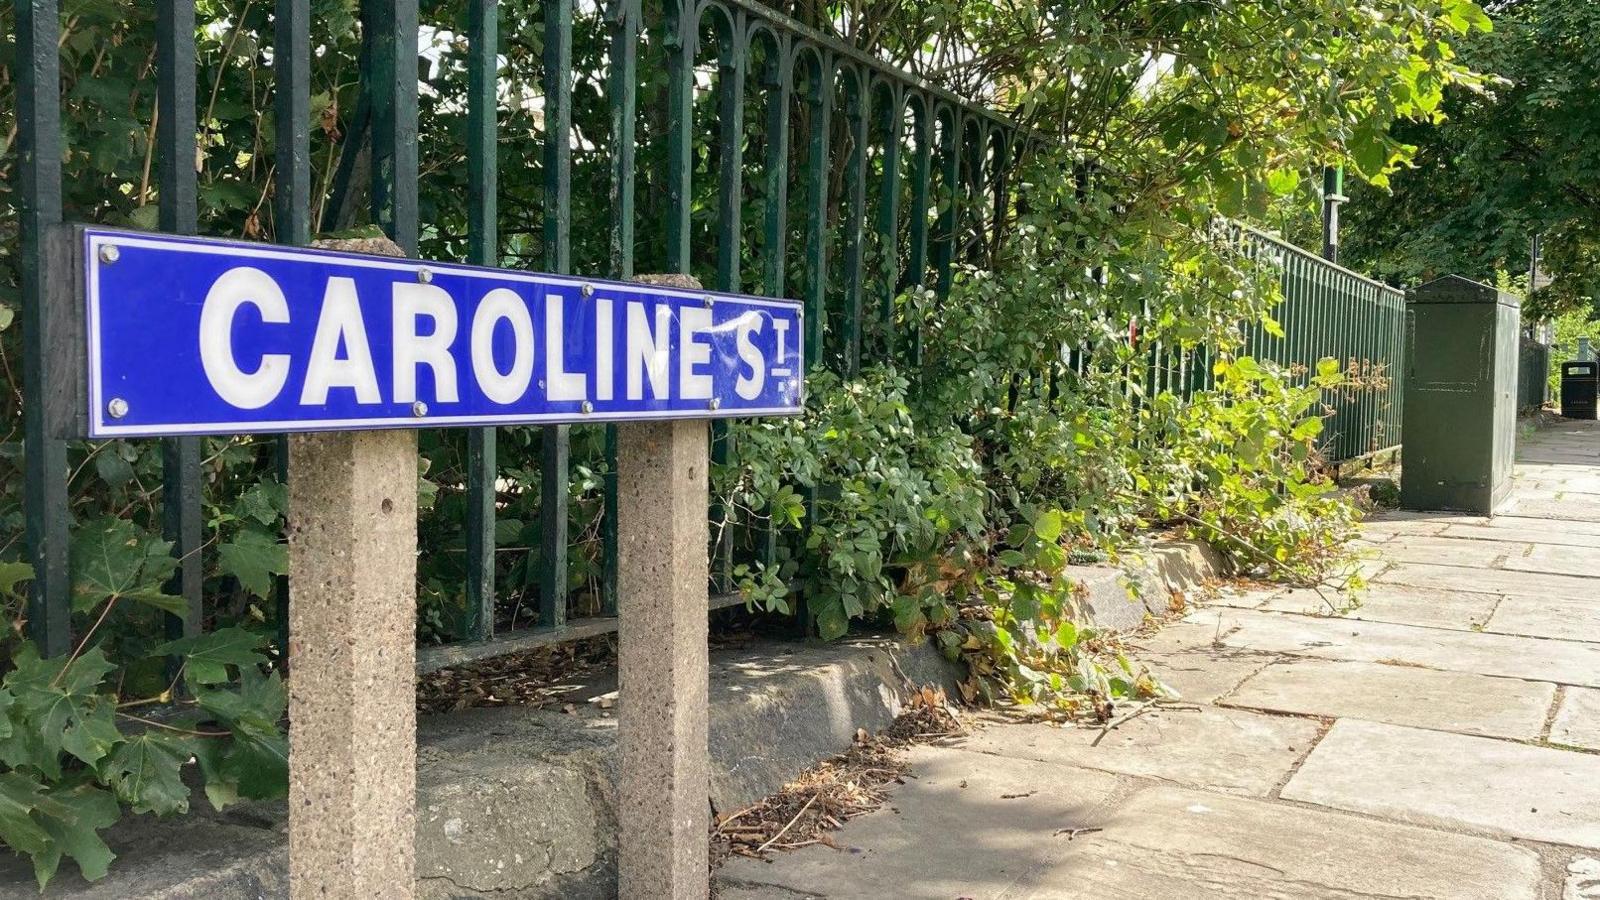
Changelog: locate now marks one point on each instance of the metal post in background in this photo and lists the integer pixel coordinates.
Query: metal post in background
(1332, 196)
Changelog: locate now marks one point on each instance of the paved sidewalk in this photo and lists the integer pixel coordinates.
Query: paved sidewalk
(1441, 741)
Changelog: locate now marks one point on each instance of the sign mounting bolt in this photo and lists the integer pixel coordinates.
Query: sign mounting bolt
(425, 276)
(587, 407)
(118, 407)
(419, 409)
(709, 300)
(714, 404)
(109, 253)
(587, 290)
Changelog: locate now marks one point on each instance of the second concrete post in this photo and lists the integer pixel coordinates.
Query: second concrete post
(663, 577)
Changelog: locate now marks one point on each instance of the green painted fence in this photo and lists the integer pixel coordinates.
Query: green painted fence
(865, 180)
(1330, 311)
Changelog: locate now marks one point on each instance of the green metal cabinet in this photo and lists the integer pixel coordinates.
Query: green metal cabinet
(1460, 410)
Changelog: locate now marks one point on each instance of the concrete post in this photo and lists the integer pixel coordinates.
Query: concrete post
(662, 668)
(352, 660)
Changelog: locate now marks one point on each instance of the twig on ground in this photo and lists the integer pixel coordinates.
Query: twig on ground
(785, 829)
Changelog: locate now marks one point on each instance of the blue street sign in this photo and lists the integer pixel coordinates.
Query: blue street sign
(200, 336)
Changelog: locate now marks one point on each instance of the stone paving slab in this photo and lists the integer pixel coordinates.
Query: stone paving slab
(1507, 656)
(1551, 617)
(1577, 722)
(1202, 675)
(1400, 604)
(1244, 753)
(1163, 843)
(1550, 534)
(1575, 506)
(1558, 560)
(1492, 581)
(1452, 781)
(1447, 551)
(1174, 844)
(1400, 695)
(968, 825)
(1571, 526)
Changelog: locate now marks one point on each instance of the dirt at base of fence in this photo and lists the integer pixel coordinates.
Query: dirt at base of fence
(853, 783)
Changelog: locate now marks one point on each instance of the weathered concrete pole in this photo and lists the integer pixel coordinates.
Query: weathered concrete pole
(662, 669)
(352, 660)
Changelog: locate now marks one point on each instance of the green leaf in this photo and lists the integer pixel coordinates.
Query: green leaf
(12, 573)
(18, 795)
(60, 708)
(1283, 182)
(161, 600)
(256, 763)
(254, 557)
(77, 833)
(207, 656)
(114, 557)
(832, 623)
(1048, 526)
(221, 789)
(145, 772)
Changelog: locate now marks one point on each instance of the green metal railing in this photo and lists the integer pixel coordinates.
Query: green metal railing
(868, 181)
(898, 181)
(1330, 311)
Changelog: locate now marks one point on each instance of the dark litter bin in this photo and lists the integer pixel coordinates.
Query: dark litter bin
(1580, 381)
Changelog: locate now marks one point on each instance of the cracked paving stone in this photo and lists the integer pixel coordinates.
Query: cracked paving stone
(950, 831)
(1454, 781)
(1243, 752)
(1400, 695)
(1174, 844)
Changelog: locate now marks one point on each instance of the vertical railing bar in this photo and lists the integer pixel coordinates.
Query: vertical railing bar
(779, 86)
(730, 153)
(949, 218)
(916, 274)
(622, 97)
(177, 213)
(38, 185)
(818, 168)
(483, 248)
(681, 37)
(291, 97)
(778, 83)
(394, 118)
(1000, 148)
(731, 66)
(855, 187)
(893, 119)
(555, 445)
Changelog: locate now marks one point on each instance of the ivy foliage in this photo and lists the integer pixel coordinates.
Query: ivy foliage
(77, 754)
(951, 492)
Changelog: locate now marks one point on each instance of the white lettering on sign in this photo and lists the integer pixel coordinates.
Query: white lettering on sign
(425, 329)
(648, 352)
(236, 288)
(502, 305)
(340, 323)
(695, 323)
(411, 349)
(563, 385)
(749, 385)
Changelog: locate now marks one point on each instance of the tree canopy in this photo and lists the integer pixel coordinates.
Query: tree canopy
(1518, 157)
